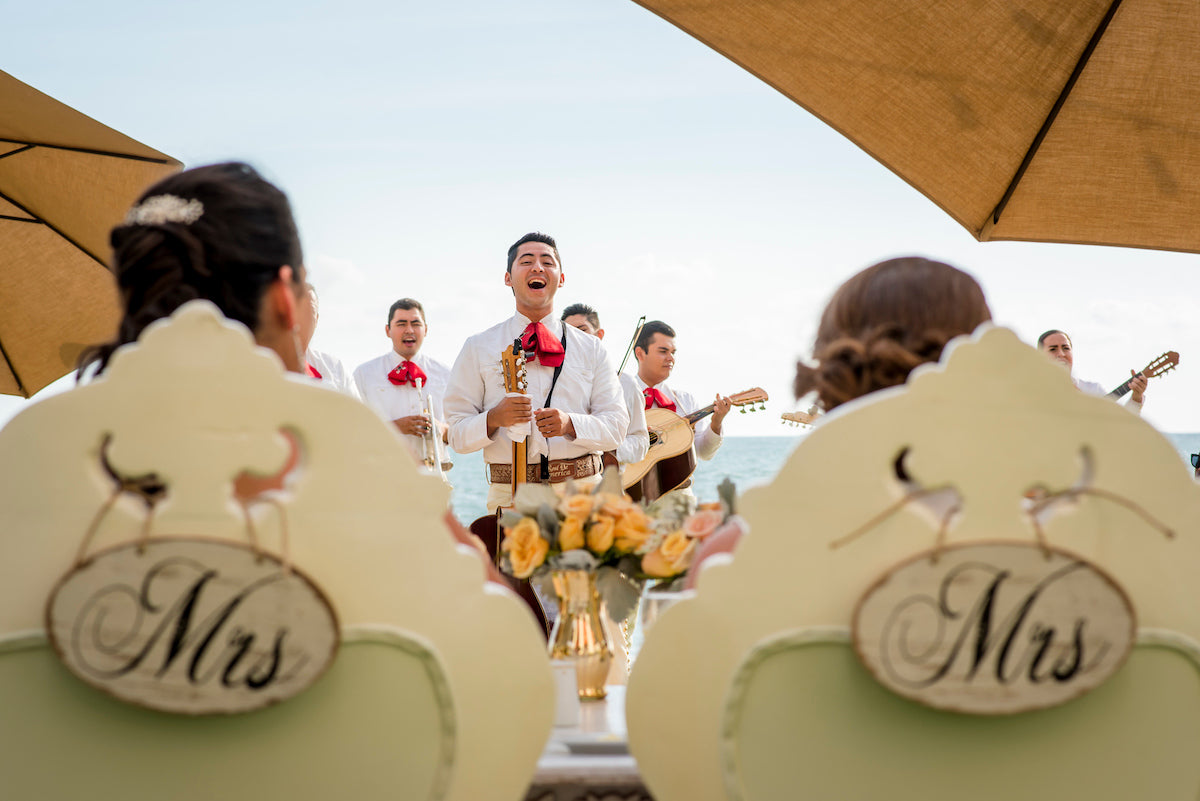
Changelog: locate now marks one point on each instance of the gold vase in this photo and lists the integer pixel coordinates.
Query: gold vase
(579, 633)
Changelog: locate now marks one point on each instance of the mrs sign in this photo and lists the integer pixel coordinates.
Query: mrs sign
(994, 628)
(192, 626)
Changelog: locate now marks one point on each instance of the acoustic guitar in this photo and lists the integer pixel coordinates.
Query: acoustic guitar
(487, 528)
(1160, 366)
(801, 418)
(671, 459)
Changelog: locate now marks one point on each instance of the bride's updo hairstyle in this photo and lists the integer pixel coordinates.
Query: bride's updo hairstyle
(885, 321)
(220, 233)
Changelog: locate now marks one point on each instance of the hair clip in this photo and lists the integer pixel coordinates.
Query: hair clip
(161, 209)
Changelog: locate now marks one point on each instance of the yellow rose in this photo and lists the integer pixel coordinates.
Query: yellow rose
(671, 558)
(577, 506)
(525, 546)
(570, 533)
(600, 535)
(632, 530)
(614, 505)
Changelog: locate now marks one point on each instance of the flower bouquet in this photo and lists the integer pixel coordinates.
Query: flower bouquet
(602, 531)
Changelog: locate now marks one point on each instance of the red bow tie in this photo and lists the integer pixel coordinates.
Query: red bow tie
(656, 398)
(311, 370)
(407, 373)
(537, 337)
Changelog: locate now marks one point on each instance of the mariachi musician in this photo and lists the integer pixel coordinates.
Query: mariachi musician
(655, 354)
(404, 386)
(572, 409)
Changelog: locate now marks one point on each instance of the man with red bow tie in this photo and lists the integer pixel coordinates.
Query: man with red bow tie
(655, 354)
(389, 384)
(573, 410)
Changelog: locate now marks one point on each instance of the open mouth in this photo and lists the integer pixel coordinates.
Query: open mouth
(537, 283)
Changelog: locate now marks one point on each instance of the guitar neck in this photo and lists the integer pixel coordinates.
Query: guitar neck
(1120, 391)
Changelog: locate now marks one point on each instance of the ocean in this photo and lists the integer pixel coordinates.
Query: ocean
(748, 461)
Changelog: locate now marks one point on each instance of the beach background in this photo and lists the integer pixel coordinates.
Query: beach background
(747, 461)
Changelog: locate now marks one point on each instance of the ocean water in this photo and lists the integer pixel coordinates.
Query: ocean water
(748, 461)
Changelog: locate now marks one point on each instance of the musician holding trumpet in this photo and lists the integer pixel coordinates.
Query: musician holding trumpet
(406, 387)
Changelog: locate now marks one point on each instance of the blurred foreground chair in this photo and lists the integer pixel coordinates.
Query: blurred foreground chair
(440, 688)
(755, 688)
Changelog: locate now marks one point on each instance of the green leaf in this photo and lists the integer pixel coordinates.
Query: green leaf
(727, 492)
(610, 482)
(510, 517)
(577, 559)
(547, 519)
(619, 591)
(530, 497)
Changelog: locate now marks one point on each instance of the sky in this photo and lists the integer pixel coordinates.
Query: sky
(417, 141)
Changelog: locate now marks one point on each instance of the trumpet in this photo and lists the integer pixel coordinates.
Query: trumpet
(433, 451)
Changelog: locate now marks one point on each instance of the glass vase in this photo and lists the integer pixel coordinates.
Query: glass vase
(579, 633)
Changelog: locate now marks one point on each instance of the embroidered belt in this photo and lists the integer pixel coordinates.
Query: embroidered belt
(560, 470)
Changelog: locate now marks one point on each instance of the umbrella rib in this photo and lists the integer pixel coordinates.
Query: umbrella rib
(1058, 104)
(14, 152)
(86, 150)
(55, 229)
(12, 368)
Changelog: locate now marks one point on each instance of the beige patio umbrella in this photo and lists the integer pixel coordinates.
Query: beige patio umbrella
(65, 181)
(1039, 120)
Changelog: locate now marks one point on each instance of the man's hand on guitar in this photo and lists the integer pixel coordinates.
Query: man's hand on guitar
(510, 411)
(1137, 387)
(554, 423)
(721, 407)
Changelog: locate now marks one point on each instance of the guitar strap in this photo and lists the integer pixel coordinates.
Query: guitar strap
(545, 462)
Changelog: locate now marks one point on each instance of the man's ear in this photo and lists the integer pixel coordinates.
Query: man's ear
(639, 354)
(562, 278)
(600, 334)
(508, 278)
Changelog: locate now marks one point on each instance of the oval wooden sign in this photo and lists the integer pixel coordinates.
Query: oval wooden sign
(994, 628)
(192, 626)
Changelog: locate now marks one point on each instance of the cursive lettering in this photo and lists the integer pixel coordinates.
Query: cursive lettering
(964, 633)
(157, 630)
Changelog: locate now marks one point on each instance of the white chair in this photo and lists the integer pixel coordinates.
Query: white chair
(441, 687)
(752, 690)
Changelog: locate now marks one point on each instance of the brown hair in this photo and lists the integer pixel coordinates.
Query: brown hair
(885, 321)
(228, 254)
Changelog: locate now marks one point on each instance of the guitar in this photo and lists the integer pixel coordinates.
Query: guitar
(1163, 364)
(512, 362)
(671, 458)
(801, 418)
(487, 528)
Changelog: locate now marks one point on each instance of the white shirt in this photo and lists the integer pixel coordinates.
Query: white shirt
(332, 372)
(393, 401)
(707, 441)
(1092, 388)
(587, 390)
(636, 444)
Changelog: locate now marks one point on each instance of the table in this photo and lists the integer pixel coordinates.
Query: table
(590, 761)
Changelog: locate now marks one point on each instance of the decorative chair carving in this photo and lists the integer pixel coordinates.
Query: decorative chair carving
(440, 687)
(752, 689)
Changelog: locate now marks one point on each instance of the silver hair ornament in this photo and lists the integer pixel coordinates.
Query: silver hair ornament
(160, 209)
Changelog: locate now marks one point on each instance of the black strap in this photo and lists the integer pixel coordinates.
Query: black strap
(545, 471)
